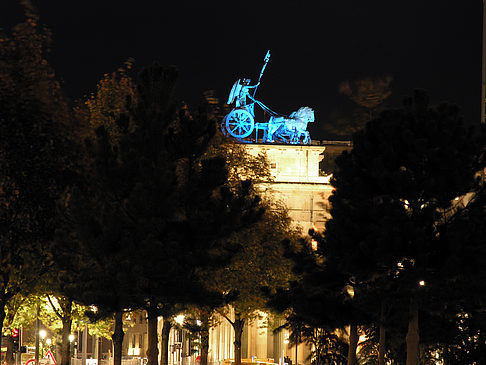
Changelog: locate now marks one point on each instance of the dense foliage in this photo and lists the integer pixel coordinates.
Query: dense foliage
(37, 149)
(398, 194)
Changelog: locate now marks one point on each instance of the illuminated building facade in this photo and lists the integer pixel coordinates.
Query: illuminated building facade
(301, 175)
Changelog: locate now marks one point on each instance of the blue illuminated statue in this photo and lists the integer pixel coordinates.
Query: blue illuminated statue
(240, 122)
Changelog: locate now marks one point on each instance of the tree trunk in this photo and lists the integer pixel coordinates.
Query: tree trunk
(117, 338)
(37, 327)
(66, 331)
(382, 340)
(2, 315)
(204, 338)
(353, 344)
(413, 335)
(9, 356)
(381, 346)
(238, 325)
(164, 342)
(152, 350)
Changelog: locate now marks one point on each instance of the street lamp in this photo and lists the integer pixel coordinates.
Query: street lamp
(42, 335)
(48, 343)
(179, 319)
(71, 340)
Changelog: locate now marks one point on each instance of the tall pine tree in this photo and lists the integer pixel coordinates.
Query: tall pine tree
(394, 190)
(153, 210)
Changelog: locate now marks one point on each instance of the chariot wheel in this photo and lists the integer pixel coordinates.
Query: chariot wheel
(239, 123)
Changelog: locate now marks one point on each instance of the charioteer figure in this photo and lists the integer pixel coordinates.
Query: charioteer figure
(240, 93)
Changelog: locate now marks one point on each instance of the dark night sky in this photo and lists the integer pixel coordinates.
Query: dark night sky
(430, 44)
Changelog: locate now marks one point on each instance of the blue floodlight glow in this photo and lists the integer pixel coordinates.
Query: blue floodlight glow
(240, 123)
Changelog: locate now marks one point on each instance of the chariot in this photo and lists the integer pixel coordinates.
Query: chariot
(240, 122)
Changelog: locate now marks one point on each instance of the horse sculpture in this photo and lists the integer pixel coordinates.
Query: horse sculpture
(292, 129)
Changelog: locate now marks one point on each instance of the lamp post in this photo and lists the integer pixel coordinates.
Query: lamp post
(286, 342)
(42, 335)
(48, 343)
(37, 326)
(180, 321)
(71, 340)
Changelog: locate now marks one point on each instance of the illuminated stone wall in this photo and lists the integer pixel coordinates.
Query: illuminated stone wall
(298, 181)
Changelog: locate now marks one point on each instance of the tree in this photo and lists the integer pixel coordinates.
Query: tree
(258, 243)
(394, 191)
(56, 313)
(241, 165)
(259, 264)
(326, 347)
(110, 100)
(462, 270)
(319, 298)
(11, 323)
(154, 193)
(201, 318)
(36, 164)
(395, 195)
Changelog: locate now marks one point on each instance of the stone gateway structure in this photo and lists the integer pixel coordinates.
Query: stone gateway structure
(301, 180)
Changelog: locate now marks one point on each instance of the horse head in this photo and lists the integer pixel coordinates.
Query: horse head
(305, 114)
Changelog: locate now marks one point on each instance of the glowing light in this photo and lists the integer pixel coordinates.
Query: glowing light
(42, 334)
(350, 290)
(179, 319)
(198, 322)
(422, 283)
(134, 351)
(71, 337)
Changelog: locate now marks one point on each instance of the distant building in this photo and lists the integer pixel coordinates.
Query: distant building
(135, 340)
